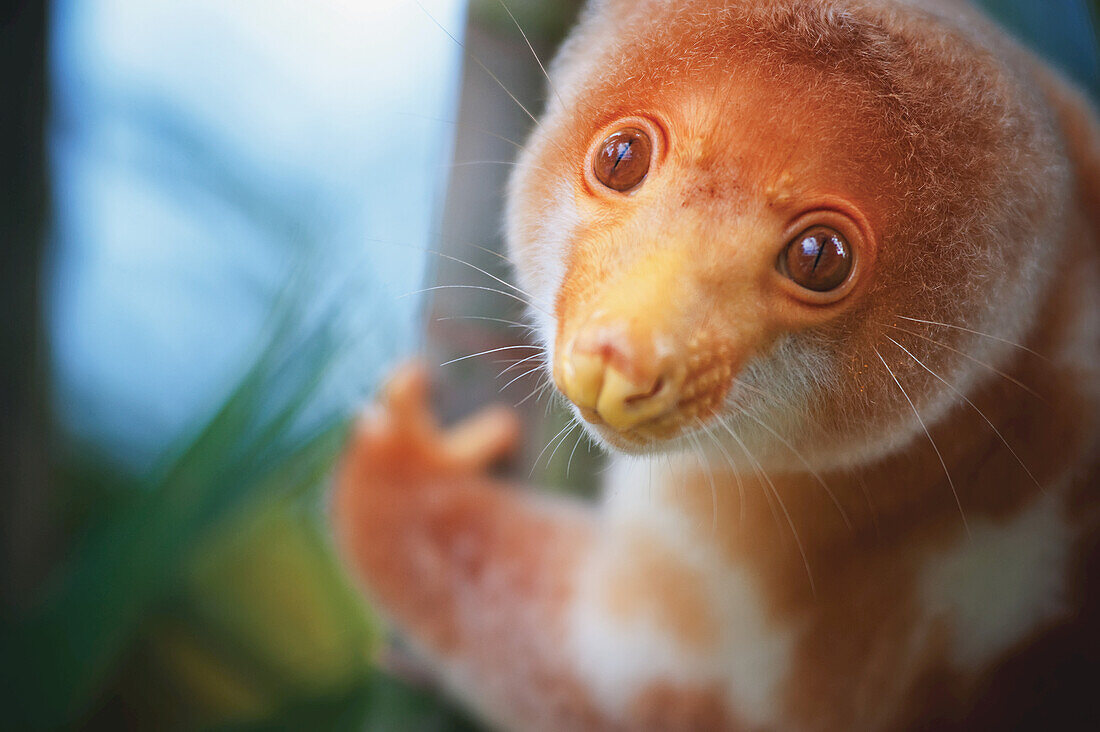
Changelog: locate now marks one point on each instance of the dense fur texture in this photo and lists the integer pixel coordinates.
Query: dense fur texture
(870, 511)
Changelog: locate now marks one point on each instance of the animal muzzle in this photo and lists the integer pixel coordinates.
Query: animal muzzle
(622, 357)
(614, 382)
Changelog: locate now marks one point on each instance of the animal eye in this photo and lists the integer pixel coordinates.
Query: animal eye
(818, 259)
(622, 160)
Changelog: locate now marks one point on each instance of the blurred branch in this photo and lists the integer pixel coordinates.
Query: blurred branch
(24, 430)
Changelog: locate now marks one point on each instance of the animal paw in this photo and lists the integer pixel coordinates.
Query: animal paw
(401, 434)
(411, 501)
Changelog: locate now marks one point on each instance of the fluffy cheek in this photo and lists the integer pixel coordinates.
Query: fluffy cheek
(771, 400)
(542, 222)
(808, 392)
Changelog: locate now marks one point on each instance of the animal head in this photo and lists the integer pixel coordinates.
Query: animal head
(737, 217)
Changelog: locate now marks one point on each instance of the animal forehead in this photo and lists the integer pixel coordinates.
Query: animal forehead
(742, 72)
(735, 135)
(657, 41)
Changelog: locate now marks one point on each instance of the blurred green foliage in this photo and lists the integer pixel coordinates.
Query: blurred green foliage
(164, 538)
(208, 593)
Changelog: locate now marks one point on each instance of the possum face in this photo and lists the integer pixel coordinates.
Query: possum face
(745, 225)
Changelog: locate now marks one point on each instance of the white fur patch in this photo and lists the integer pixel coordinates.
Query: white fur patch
(1003, 583)
(619, 659)
(545, 263)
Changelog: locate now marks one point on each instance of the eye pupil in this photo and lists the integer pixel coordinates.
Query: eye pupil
(819, 259)
(622, 160)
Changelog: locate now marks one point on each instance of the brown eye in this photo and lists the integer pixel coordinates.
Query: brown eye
(819, 259)
(622, 161)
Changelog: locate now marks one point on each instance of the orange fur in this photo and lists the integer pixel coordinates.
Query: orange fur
(825, 546)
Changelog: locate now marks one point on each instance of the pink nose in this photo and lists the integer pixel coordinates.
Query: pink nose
(621, 378)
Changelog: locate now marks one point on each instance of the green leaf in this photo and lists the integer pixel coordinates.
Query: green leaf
(129, 559)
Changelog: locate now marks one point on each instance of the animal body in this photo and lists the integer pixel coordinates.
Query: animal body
(824, 276)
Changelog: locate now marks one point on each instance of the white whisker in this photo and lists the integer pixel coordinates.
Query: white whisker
(783, 506)
(487, 250)
(532, 48)
(733, 469)
(471, 128)
(540, 387)
(806, 464)
(975, 407)
(935, 447)
(756, 471)
(517, 298)
(569, 463)
(559, 438)
(418, 248)
(775, 399)
(509, 285)
(679, 487)
(492, 76)
(517, 378)
(553, 439)
(698, 448)
(470, 163)
(504, 321)
(478, 62)
(967, 356)
(517, 363)
(977, 333)
(549, 402)
(485, 353)
(561, 442)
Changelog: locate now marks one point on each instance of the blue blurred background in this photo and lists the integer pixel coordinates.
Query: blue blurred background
(220, 219)
(200, 151)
